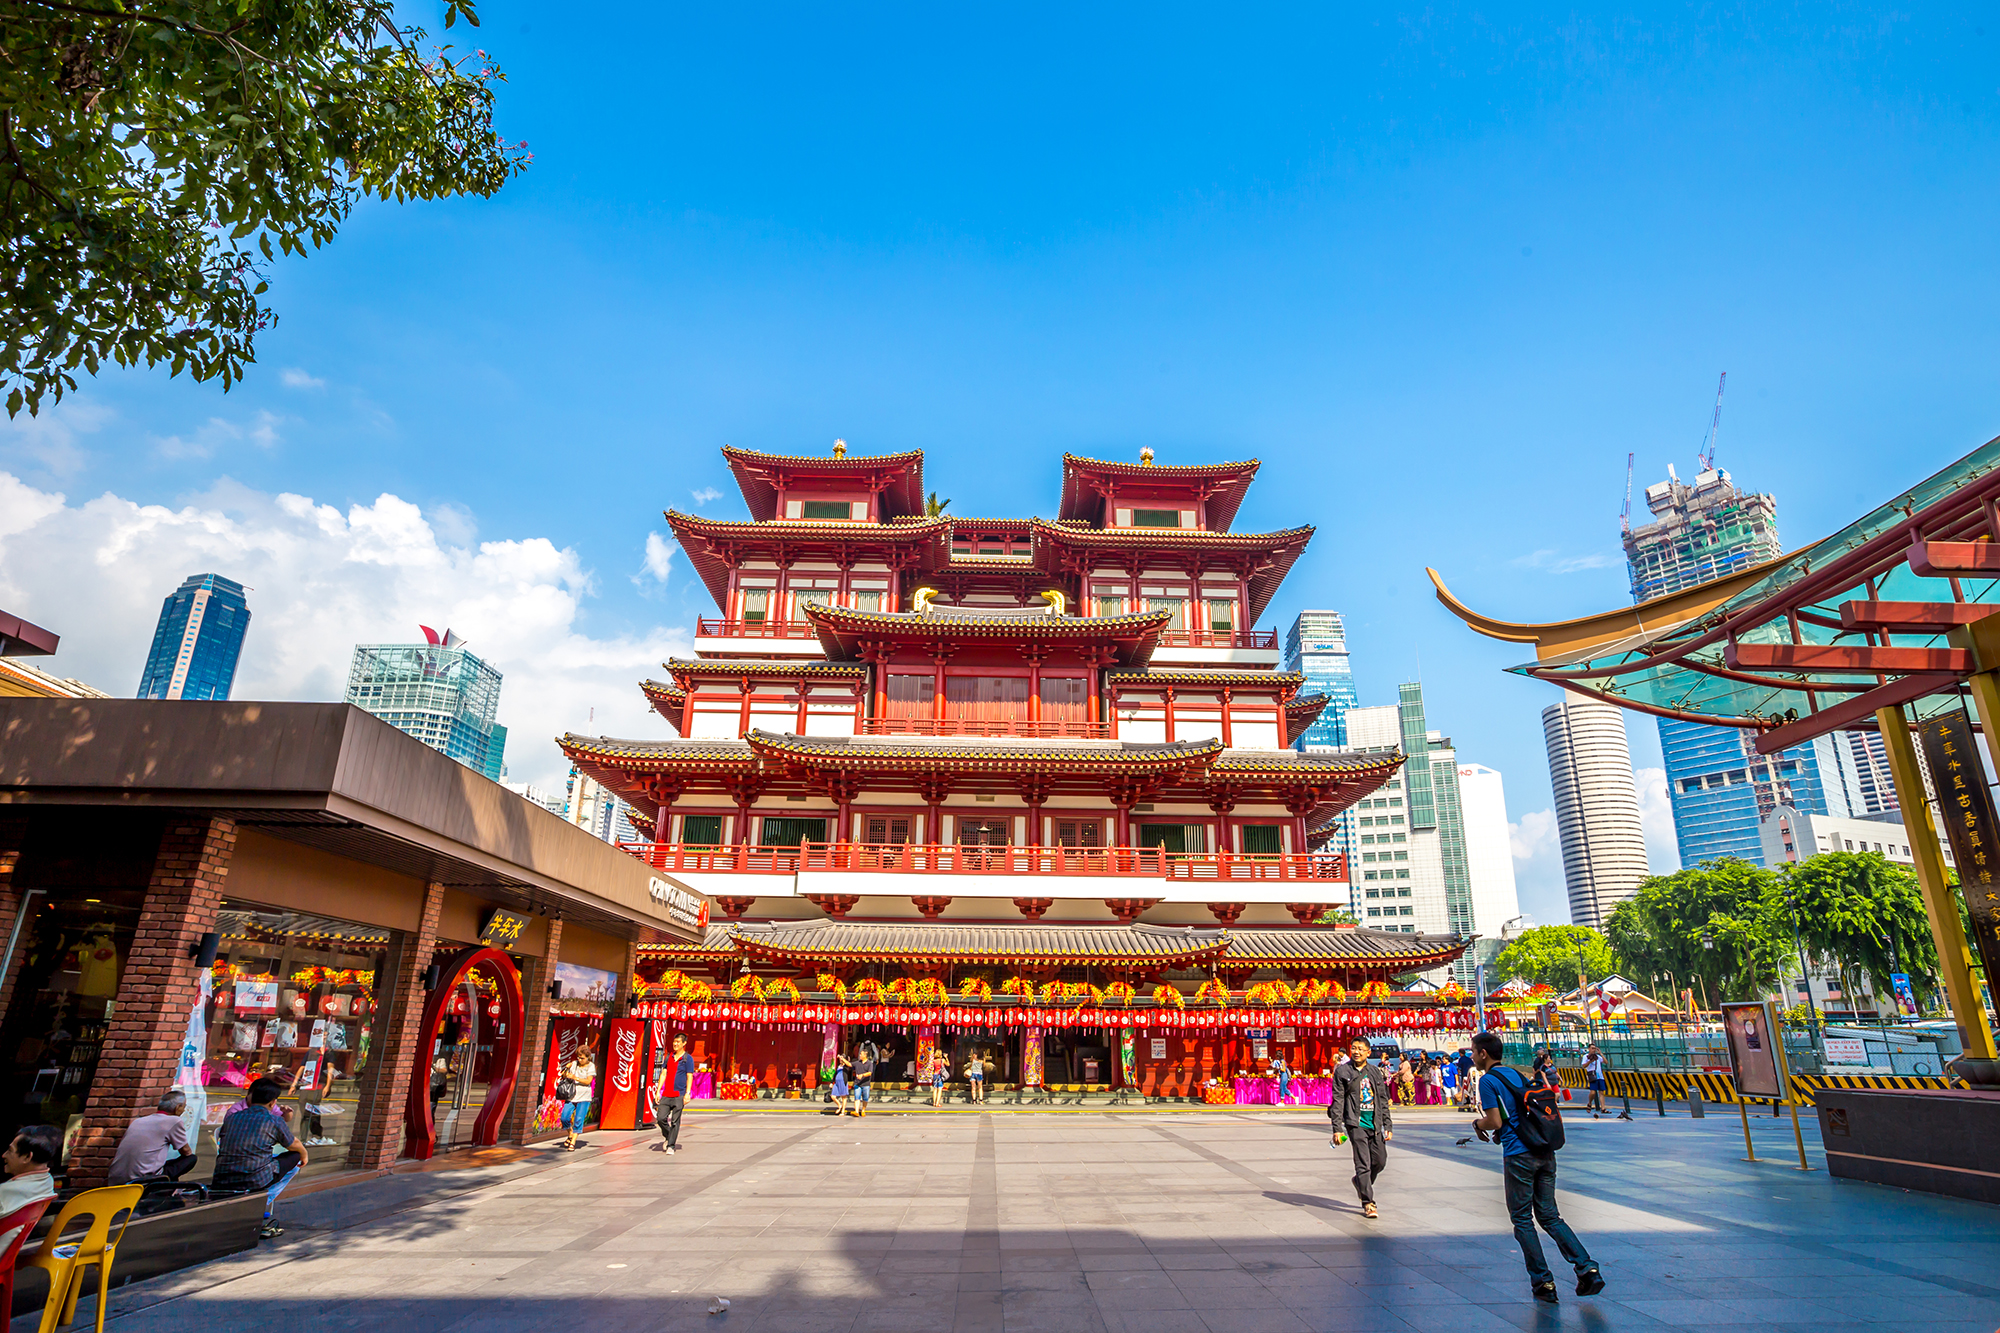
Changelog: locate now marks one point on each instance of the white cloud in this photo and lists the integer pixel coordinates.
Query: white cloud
(1550, 562)
(705, 494)
(48, 442)
(659, 556)
(323, 580)
(294, 378)
(217, 432)
(1536, 843)
(1656, 820)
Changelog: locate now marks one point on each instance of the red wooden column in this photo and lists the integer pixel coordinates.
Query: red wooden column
(142, 1044)
(535, 977)
(1228, 741)
(805, 690)
(1170, 715)
(748, 688)
(378, 1126)
(1033, 656)
(938, 658)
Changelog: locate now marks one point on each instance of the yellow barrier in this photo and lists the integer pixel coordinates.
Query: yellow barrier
(1672, 1085)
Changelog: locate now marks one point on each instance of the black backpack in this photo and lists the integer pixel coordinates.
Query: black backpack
(1539, 1125)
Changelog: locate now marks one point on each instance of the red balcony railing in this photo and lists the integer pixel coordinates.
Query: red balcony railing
(965, 726)
(931, 859)
(708, 628)
(1219, 638)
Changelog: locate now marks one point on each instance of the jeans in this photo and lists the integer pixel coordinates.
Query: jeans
(1371, 1154)
(667, 1113)
(574, 1114)
(288, 1166)
(1531, 1198)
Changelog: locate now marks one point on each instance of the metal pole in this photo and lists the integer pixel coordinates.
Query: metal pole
(14, 936)
(1743, 1109)
(1798, 1137)
(1812, 1025)
(1940, 902)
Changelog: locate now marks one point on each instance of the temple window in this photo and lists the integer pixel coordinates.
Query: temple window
(986, 698)
(1156, 518)
(868, 601)
(701, 830)
(1174, 837)
(1261, 839)
(1173, 604)
(1111, 606)
(826, 509)
(1079, 833)
(911, 695)
(1065, 699)
(888, 829)
(756, 605)
(1221, 617)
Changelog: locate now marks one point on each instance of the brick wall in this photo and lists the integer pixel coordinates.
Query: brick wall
(13, 836)
(535, 978)
(378, 1128)
(142, 1048)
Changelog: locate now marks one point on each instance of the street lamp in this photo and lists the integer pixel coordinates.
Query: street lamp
(1708, 946)
(1792, 900)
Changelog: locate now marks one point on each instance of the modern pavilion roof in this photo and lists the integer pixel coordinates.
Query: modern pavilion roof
(809, 941)
(757, 474)
(706, 540)
(842, 629)
(978, 756)
(1684, 656)
(1227, 482)
(1061, 547)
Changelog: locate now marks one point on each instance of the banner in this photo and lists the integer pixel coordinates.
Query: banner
(1031, 1058)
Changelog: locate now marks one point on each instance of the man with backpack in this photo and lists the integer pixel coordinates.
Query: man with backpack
(1527, 1123)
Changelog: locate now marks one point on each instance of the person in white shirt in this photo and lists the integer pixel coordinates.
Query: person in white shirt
(27, 1161)
(155, 1147)
(582, 1073)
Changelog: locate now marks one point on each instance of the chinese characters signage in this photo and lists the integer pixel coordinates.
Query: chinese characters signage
(1965, 809)
(502, 929)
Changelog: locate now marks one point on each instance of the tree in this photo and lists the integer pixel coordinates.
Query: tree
(1553, 955)
(1859, 909)
(154, 152)
(934, 506)
(1712, 921)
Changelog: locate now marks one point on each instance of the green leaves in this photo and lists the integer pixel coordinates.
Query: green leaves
(151, 158)
(1553, 955)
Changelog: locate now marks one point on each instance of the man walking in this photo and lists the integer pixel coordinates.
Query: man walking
(671, 1094)
(1359, 1110)
(1530, 1176)
(1593, 1072)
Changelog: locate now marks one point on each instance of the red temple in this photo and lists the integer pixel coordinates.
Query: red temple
(1026, 783)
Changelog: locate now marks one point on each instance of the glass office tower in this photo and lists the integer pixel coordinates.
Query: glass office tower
(197, 642)
(444, 696)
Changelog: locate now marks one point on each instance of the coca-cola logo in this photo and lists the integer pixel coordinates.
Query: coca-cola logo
(627, 1049)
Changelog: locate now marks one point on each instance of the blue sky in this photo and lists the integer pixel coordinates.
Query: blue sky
(1439, 268)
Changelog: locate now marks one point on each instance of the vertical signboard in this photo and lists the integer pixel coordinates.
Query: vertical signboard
(1965, 809)
(1756, 1048)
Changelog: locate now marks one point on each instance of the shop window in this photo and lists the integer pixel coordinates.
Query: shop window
(825, 509)
(701, 830)
(295, 998)
(792, 832)
(1261, 839)
(756, 605)
(1156, 518)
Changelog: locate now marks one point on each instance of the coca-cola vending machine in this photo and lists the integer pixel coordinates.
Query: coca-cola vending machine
(627, 1064)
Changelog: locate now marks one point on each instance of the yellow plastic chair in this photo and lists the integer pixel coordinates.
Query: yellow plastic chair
(66, 1260)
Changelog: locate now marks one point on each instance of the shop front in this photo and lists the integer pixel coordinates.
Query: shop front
(298, 893)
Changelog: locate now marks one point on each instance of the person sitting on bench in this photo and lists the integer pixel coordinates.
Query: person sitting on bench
(155, 1147)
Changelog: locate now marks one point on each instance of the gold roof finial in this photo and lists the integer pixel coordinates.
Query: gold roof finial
(840, 448)
(1146, 456)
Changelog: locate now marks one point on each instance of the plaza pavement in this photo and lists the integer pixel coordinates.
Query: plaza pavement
(1230, 1222)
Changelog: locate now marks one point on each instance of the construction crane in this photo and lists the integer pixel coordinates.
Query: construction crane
(1706, 456)
(1625, 514)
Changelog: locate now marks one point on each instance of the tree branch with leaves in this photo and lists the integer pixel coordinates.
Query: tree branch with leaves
(153, 159)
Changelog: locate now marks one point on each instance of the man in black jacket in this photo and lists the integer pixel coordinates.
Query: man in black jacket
(1360, 1114)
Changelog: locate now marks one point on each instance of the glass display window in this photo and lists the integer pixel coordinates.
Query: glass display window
(295, 997)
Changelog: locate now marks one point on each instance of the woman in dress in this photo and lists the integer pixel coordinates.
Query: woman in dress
(940, 1070)
(840, 1064)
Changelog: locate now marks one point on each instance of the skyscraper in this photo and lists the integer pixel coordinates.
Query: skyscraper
(1721, 788)
(1597, 806)
(1317, 648)
(436, 691)
(1489, 856)
(197, 642)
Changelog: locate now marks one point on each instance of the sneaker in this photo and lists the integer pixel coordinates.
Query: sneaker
(1589, 1283)
(270, 1230)
(1545, 1292)
(1368, 1210)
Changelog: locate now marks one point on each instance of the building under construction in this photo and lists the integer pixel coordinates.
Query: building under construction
(1702, 532)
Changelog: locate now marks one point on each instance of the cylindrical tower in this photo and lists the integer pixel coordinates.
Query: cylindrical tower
(1597, 806)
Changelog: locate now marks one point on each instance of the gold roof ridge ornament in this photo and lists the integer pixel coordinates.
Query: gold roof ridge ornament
(1146, 456)
(1057, 602)
(840, 448)
(920, 600)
